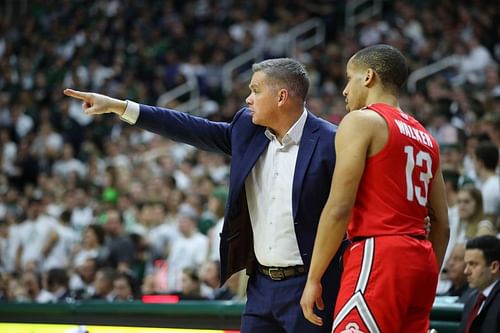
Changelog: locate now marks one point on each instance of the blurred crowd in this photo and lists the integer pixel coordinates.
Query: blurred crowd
(91, 208)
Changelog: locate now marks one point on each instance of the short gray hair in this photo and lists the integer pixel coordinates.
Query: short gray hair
(287, 73)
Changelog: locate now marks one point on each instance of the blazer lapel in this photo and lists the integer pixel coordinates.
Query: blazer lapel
(308, 142)
(491, 296)
(253, 151)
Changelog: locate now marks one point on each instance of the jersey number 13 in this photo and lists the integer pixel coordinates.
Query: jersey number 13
(423, 161)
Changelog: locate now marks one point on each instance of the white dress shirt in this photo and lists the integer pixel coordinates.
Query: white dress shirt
(486, 292)
(269, 196)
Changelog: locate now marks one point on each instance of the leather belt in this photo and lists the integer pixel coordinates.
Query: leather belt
(281, 273)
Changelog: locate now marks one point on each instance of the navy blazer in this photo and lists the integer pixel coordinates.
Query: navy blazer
(488, 320)
(245, 142)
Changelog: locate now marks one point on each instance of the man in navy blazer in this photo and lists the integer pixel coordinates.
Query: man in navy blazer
(482, 267)
(282, 164)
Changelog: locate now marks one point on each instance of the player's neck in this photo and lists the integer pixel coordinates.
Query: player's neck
(382, 97)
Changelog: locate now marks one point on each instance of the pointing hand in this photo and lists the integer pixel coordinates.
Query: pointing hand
(93, 103)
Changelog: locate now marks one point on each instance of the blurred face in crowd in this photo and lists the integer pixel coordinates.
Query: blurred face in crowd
(121, 289)
(355, 91)
(451, 157)
(187, 225)
(30, 283)
(466, 205)
(113, 224)
(263, 100)
(87, 270)
(455, 265)
(102, 284)
(479, 274)
(209, 274)
(90, 238)
(190, 284)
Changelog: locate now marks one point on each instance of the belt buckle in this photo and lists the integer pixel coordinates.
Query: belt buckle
(276, 273)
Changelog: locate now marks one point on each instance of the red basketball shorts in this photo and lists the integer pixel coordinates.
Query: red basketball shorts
(388, 286)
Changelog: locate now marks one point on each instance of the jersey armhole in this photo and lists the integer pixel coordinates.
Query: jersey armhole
(382, 152)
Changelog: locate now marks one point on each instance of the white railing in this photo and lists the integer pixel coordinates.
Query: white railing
(189, 87)
(354, 13)
(429, 70)
(300, 38)
(297, 43)
(294, 40)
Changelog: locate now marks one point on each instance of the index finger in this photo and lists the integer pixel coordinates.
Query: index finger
(76, 94)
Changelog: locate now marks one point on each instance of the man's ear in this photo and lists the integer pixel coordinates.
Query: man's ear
(282, 96)
(369, 77)
(495, 267)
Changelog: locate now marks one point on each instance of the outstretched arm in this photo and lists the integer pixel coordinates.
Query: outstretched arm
(351, 143)
(178, 126)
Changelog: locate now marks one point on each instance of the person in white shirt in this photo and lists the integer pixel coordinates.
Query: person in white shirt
(189, 249)
(486, 161)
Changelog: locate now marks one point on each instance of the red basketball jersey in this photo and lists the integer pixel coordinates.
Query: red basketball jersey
(394, 189)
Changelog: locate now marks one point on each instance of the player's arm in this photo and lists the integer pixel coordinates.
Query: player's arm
(352, 142)
(440, 230)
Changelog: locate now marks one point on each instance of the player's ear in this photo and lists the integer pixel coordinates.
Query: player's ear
(369, 77)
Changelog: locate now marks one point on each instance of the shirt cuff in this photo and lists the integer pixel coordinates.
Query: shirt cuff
(131, 113)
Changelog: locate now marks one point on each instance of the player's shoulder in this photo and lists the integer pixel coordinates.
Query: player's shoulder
(365, 117)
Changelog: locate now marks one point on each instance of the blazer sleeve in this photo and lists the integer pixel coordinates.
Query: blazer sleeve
(182, 127)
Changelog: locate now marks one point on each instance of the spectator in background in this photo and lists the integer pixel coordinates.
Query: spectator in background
(190, 285)
(486, 162)
(58, 285)
(59, 244)
(210, 278)
(103, 284)
(490, 123)
(8, 152)
(189, 249)
(15, 291)
(82, 213)
(452, 158)
(34, 291)
(120, 247)
(470, 209)
(482, 310)
(123, 288)
(68, 163)
(451, 179)
(216, 205)
(82, 279)
(455, 266)
(92, 246)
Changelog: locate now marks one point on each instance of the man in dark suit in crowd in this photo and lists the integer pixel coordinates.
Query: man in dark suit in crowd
(282, 164)
(482, 310)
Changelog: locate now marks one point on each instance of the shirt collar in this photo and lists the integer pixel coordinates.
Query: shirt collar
(487, 291)
(294, 134)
